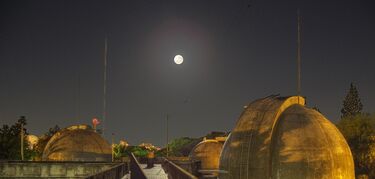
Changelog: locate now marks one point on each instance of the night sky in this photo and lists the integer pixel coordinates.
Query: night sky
(51, 61)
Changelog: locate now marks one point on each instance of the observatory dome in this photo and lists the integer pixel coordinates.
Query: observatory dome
(77, 143)
(278, 137)
(208, 152)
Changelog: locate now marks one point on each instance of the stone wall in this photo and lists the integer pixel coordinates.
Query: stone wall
(17, 169)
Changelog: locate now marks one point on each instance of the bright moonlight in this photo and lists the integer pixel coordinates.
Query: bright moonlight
(178, 59)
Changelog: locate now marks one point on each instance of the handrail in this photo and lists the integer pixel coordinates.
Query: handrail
(117, 171)
(135, 169)
(176, 172)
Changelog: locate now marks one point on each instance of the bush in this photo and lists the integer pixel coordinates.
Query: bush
(359, 132)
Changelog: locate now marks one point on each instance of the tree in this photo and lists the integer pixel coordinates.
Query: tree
(10, 141)
(179, 147)
(352, 103)
(119, 151)
(52, 130)
(137, 151)
(316, 109)
(359, 132)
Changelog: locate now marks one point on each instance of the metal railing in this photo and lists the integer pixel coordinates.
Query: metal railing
(118, 171)
(135, 169)
(176, 172)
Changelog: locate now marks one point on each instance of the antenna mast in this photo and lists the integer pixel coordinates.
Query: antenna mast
(298, 54)
(105, 84)
(167, 136)
(22, 138)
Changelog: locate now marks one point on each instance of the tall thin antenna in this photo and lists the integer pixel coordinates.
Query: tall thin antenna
(105, 83)
(112, 148)
(167, 136)
(298, 54)
(78, 97)
(22, 136)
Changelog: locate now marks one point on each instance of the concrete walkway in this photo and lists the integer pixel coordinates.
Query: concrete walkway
(127, 176)
(156, 172)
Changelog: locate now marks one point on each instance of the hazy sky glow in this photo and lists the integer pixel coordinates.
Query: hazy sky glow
(51, 61)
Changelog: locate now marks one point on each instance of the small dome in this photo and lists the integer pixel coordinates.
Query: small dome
(77, 143)
(208, 152)
(278, 137)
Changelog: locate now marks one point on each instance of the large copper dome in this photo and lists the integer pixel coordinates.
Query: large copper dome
(278, 137)
(77, 143)
(208, 152)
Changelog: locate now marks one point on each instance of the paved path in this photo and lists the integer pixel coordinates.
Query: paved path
(156, 172)
(127, 176)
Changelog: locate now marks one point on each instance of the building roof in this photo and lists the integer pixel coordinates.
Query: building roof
(208, 152)
(77, 143)
(278, 137)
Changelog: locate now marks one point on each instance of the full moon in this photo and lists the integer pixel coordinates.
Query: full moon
(178, 59)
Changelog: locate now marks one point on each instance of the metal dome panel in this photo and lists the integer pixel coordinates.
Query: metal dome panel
(77, 143)
(268, 135)
(208, 152)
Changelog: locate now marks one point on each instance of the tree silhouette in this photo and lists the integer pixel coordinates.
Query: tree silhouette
(359, 131)
(316, 109)
(352, 103)
(11, 142)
